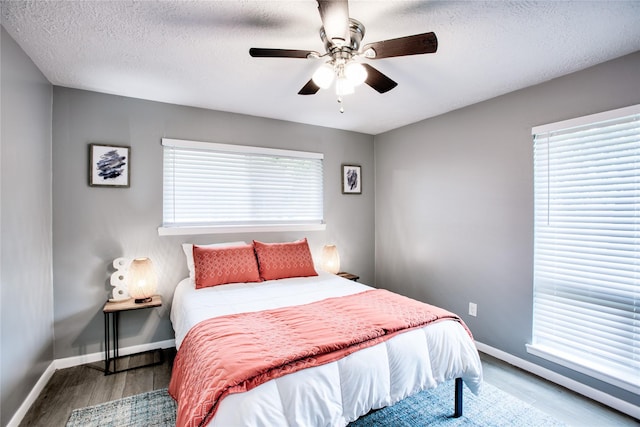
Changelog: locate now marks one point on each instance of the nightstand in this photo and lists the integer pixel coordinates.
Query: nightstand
(112, 310)
(348, 276)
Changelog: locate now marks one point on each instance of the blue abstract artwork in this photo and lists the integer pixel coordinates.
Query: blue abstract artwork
(109, 165)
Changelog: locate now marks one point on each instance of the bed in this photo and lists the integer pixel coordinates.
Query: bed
(315, 389)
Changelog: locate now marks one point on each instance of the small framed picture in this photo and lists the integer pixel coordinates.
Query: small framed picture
(109, 165)
(351, 179)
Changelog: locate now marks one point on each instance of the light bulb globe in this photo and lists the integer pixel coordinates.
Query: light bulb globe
(323, 77)
(355, 72)
(344, 86)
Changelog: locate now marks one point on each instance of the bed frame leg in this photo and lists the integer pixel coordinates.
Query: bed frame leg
(458, 399)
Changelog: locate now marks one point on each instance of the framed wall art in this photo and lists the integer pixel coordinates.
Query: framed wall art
(351, 179)
(109, 165)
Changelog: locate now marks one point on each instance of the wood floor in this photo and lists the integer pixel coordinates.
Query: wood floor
(565, 405)
(86, 385)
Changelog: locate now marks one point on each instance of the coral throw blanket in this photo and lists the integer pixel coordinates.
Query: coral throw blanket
(235, 353)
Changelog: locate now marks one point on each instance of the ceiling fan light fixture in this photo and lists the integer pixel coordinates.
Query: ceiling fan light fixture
(343, 86)
(355, 73)
(323, 77)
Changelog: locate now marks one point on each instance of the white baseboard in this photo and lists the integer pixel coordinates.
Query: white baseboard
(69, 362)
(590, 392)
(33, 395)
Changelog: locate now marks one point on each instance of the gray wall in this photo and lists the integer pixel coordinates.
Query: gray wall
(454, 202)
(92, 226)
(26, 294)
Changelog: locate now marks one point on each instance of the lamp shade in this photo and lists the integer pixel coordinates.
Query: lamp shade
(141, 280)
(330, 260)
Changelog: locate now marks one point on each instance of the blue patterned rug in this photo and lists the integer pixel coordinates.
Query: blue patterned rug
(492, 407)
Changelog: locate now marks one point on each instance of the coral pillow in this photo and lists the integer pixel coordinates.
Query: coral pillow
(217, 266)
(282, 260)
(188, 252)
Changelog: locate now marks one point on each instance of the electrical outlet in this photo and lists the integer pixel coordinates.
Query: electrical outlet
(473, 309)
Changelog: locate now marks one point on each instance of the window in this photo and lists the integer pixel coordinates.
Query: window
(217, 188)
(586, 309)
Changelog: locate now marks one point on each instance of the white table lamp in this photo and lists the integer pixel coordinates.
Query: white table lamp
(330, 260)
(141, 280)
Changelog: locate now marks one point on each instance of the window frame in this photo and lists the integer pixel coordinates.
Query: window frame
(557, 355)
(172, 229)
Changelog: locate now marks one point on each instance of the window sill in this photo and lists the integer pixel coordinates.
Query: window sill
(185, 231)
(572, 362)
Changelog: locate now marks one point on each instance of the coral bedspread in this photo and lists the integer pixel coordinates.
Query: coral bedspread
(236, 353)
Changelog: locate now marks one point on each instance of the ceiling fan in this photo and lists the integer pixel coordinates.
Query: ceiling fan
(342, 36)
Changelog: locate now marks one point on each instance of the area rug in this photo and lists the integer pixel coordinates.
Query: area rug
(492, 407)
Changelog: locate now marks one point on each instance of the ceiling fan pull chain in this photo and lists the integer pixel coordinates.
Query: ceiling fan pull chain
(341, 104)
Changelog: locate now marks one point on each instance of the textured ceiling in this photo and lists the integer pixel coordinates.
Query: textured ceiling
(196, 52)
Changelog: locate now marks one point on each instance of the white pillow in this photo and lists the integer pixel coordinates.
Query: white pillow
(188, 252)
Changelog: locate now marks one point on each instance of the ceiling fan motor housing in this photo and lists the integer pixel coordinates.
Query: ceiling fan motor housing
(345, 50)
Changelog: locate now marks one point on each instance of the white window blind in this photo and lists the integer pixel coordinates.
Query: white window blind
(228, 187)
(586, 309)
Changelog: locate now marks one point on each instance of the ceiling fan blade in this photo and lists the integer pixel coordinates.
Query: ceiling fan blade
(335, 20)
(309, 89)
(410, 45)
(257, 52)
(378, 81)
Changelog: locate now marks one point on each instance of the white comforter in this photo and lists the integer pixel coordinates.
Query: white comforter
(336, 393)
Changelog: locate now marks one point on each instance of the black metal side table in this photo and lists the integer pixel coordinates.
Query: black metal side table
(112, 310)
